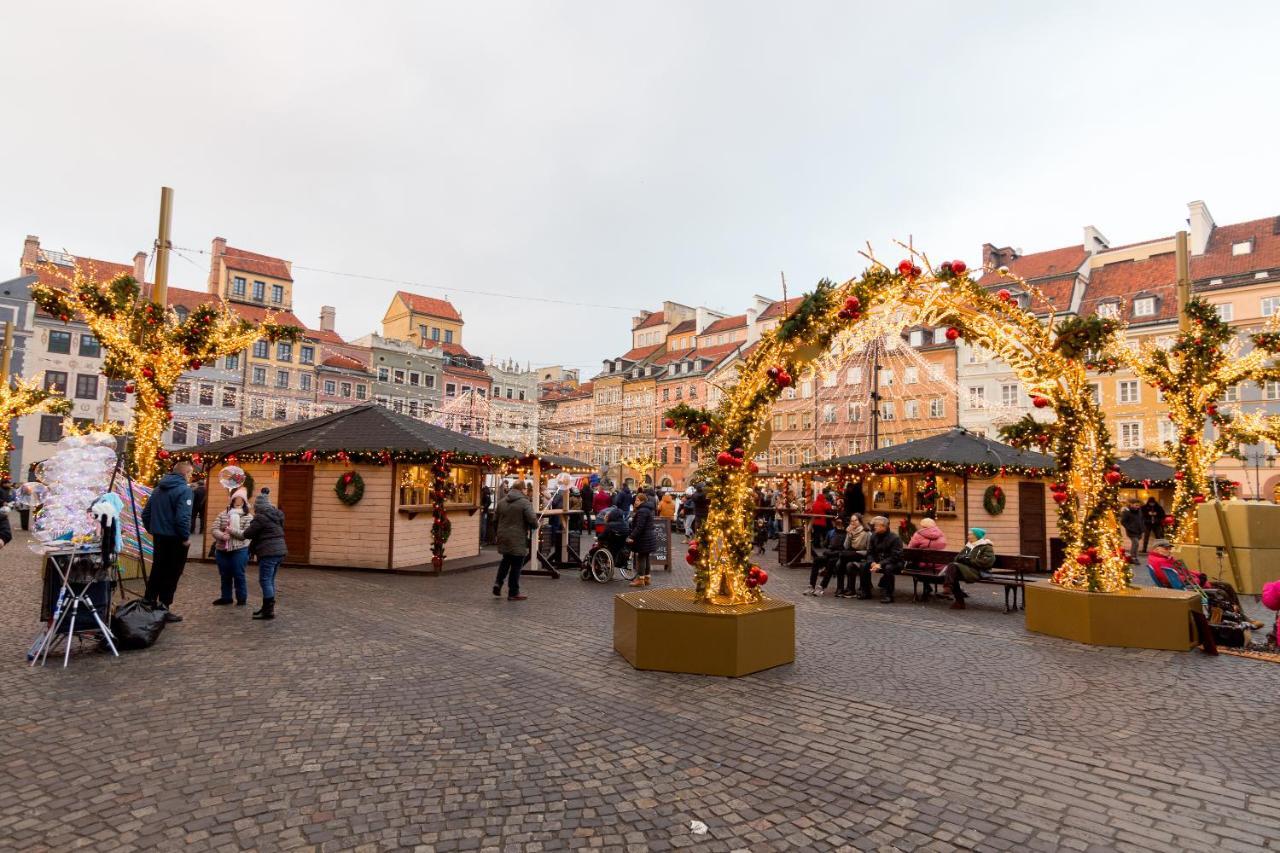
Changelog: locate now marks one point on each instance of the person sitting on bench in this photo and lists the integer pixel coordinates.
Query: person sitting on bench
(973, 562)
(856, 538)
(884, 555)
(929, 537)
(826, 556)
(1170, 572)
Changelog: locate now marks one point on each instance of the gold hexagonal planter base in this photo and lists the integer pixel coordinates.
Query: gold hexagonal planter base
(668, 630)
(1140, 618)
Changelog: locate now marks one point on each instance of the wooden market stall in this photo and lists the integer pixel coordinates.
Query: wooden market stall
(963, 480)
(399, 476)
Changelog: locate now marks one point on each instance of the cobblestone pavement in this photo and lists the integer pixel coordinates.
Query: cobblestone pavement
(400, 712)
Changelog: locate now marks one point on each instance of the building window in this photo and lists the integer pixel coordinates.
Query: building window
(1095, 391)
(179, 432)
(777, 423)
(259, 291)
(229, 397)
(1269, 305)
(1109, 310)
(1144, 306)
(1226, 311)
(206, 395)
(829, 380)
(256, 407)
(226, 431)
(855, 412)
(306, 354)
(115, 390)
(435, 333)
(1008, 395)
(911, 409)
(1271, 391)
(284, 351)
(304, 381)
(282, 379)
(1231, 394)
(346, 389)
(1127, 391)
(384, 374)
(233, 362)
(448, 336)
(677, 454)
(281, 412)
(397, 405)
(50, 428)
(888, 410)
(204, 433)
(428, 381)
(680, 392)
(977, 397)
(89, 346)
(693, 392)
(60, 342)
(937, 408)
(829, 413)
(415, 378)
(277, 293)
(1168, 431)
(1244, 247)
(261, 349)
(916, 338)
(398, 377)
(940, 336)
(910, 375)
(1131, 435)
(182, 394)
(450, 390)
(330, 387)
(259, 376)
(238, 286)
(360, 391)
(413, 408)
(55, 380)
(86, 386)
(806, 388)
(937, 372)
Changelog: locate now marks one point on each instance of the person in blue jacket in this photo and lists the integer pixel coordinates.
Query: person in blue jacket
(167, 517)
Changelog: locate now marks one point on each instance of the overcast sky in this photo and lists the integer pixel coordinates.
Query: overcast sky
(622, 153)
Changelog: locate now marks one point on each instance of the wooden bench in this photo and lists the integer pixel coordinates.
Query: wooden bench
(1009, 571)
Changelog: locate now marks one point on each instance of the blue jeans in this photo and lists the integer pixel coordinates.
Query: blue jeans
(231, 568)
(267, 575)
(510, 568)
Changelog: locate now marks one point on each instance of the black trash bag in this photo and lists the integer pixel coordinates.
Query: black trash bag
(138, 623)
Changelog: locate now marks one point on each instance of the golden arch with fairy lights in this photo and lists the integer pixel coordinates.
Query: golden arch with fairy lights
(1051, 359)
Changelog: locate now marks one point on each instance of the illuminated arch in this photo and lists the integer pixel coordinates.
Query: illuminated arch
(1051, 360)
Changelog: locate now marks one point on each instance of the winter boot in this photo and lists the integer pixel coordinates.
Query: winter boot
(268, 610)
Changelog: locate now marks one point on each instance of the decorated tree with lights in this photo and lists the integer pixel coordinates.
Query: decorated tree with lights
(1193, 375)
(149, 347)
(20, 397)
(1051, 359)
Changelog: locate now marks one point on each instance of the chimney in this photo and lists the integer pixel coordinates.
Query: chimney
(1094, 242)
(753, 330)
(30, 253)
(995, 258)
(639, 318)
(327, 316)
(218, 249)
(1202, 225)
(140, 267)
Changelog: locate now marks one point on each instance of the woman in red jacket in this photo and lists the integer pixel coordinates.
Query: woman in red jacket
(820, 510)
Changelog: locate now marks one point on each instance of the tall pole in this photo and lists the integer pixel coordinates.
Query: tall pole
(875, 395)
(1184, 281)
(160, 293)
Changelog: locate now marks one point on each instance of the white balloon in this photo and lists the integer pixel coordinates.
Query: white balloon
(231, 477)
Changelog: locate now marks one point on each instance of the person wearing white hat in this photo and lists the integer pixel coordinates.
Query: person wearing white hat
(231, 549)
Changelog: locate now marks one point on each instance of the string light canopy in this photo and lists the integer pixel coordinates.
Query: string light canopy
(19, 397)
(643, 465)
(1193, 375)
(1051, 359)
(148, 346)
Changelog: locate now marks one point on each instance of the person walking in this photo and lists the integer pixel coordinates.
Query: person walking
(1152, 521)
(514, 518)
(643, 538)
(1134, 526)
(231, 549)
(588, 504)
(701, 507)
(199, 506)
(266, 532)
(854, 502)
(167, 517)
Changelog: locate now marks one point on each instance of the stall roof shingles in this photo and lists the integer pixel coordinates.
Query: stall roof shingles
(955, 446)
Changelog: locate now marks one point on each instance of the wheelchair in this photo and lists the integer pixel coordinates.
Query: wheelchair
(608, 554)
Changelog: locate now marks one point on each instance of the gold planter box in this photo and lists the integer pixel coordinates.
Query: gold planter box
(1258, 567)
(1251, 525)
(1189, 554)
(1141, 618)
(667, 630)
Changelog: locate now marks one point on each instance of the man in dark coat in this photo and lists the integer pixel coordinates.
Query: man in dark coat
(486, 504)
(6, 532)
(1132, 522)
(588, 505)
(266, 533)
(199, 499)
(624, 499)
(643, 538)
(854, 501)
(1152, 521)
(167, 517)
(884, 555)
(514, 518)
(701, 506)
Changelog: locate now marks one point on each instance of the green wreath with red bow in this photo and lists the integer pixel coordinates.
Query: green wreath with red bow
(349, 488)
(993, 500)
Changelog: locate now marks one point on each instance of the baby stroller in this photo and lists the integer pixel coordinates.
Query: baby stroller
(609, 553)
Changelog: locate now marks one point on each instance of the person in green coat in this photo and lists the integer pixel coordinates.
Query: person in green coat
(514, 517)
(974, 560)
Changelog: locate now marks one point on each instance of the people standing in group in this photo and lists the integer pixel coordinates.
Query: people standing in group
(884, 555)
(199, 505)
(1131, 519)
(231, 549)
(514, 518)
(1152, 521)
(929, 536)
(266, 536)
(167, 517)
(643, 538)
(973, 562)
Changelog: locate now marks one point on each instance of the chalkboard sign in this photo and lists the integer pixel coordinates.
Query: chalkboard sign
(662, 542)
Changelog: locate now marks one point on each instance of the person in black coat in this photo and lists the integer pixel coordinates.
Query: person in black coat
(1131, 521)
(625, 499)
(884, 555)
(6, 532)
(854, 501)
(643, 538)
(266, 537)
(1152, 521)
(199, 506)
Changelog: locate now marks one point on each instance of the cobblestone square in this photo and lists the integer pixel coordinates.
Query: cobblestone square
(407, 712)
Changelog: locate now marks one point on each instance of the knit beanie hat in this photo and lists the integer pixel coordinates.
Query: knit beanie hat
(978, 532)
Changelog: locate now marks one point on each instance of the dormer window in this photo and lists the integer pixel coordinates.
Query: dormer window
(1144, 306)
(1244, 247)
(1109, 310)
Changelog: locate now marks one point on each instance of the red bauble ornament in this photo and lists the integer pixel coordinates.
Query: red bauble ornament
(773, 372)
(669, 423)
(1113, 478)
(704, 429)
(1060, 497)
(148, 372)
(162, 453)
(1190, 440)
(762, 578)
(1003, 295)
(1169, 521)
(160, 403)
(852, 304)
(953, 333)
(739, 452)
(1042, 439)
(959, 267)
(784, 379)
(1199, 499)
(1084, 559)
(1211, 411)
(905, 268)
(1039, 402)
(128, 389)
(945, 269)
(753, 467)
(1178, 475)
(724, 458)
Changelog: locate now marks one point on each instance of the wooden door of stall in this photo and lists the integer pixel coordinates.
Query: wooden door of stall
(1031, 522)
(295, 502)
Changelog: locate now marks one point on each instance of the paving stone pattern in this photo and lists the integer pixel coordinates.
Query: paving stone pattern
(396, 712)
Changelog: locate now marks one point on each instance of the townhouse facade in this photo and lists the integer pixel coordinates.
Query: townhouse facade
(513, 405)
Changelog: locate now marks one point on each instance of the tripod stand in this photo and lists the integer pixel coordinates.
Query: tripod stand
(71, 596)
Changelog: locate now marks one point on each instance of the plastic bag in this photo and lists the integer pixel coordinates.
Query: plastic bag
(138, 623)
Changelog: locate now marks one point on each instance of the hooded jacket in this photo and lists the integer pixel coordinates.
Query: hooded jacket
(929, 538)
(266, 531)
(975, 558)
(667, 507)
(515, 518)
(643, 537)
(1131, 520)
(168, 513)
(624, 498)
(820, 508)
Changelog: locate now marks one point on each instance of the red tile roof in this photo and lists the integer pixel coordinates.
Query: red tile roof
(345, 362)
(717, 353)
(325, 336)
(1122, 281)
(100, 271)
(654, 319)
(430, 306)
(779, 308)
(1053, 273)
(453, 349)
(640, 353)
(246, 261)
(1218, 262)
(725, 324)
(685, 326)
(190, 299)
(677, 355)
